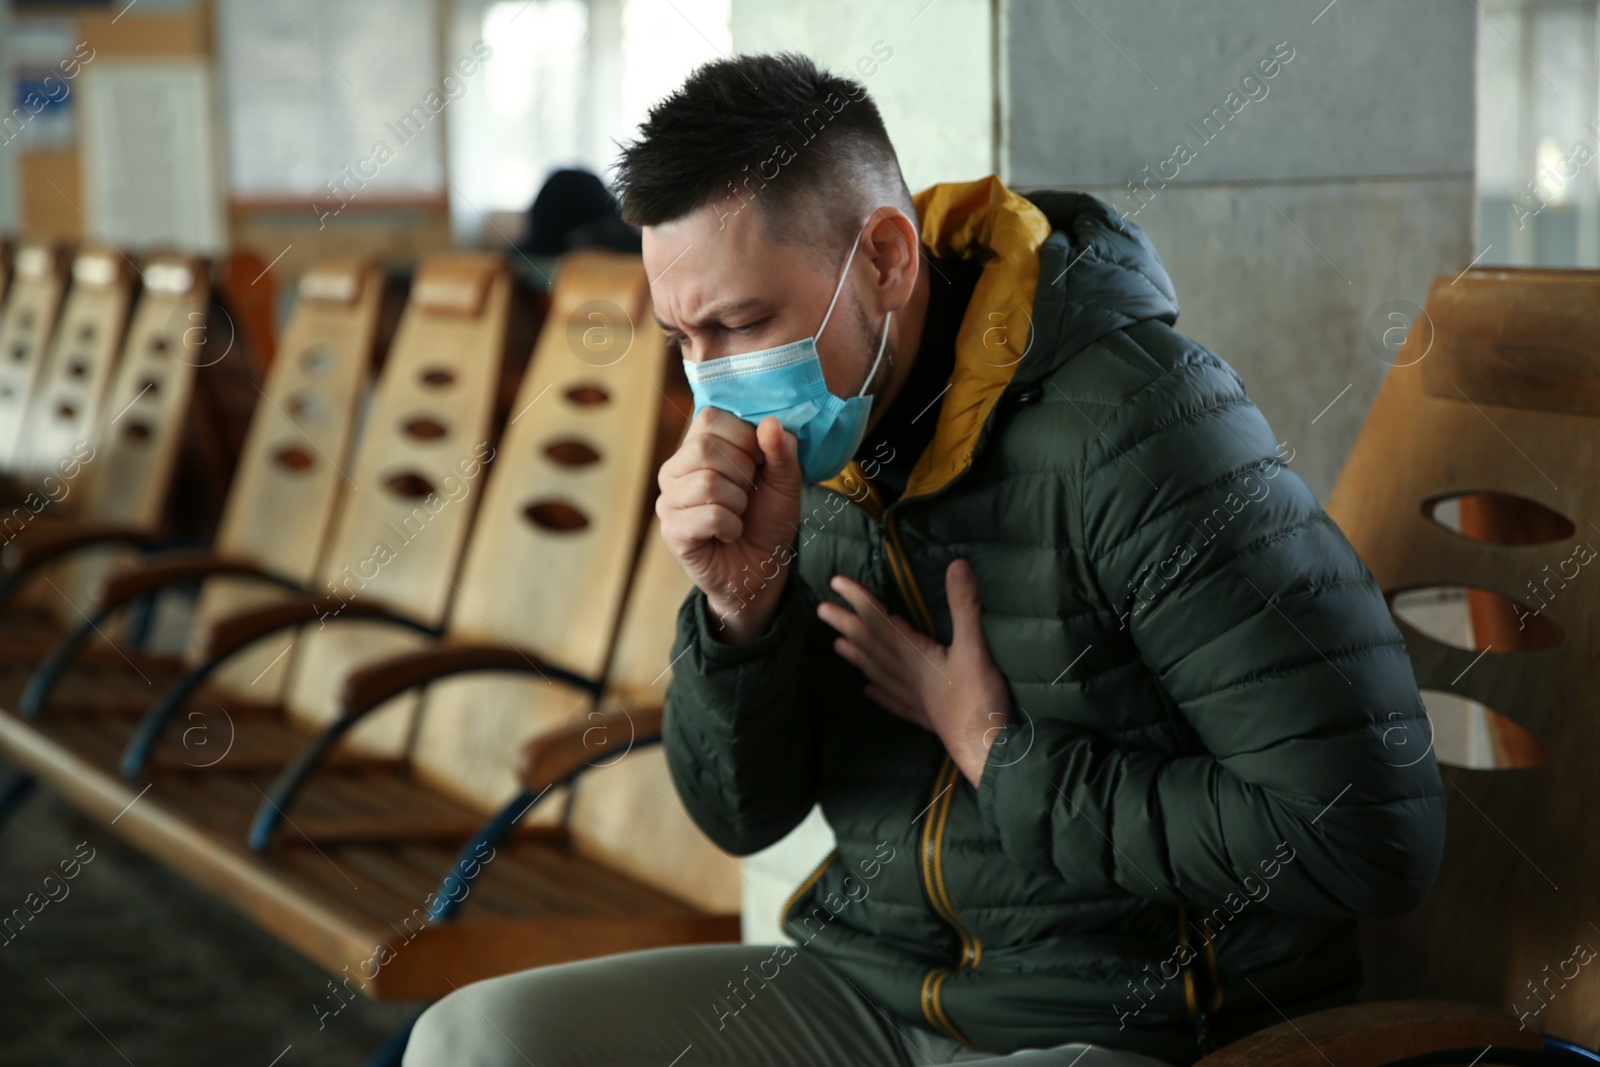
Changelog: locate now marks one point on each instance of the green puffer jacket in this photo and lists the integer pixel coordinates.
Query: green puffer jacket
(1205, 779)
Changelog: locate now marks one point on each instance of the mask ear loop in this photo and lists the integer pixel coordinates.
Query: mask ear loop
(838, 287)
(882, 344)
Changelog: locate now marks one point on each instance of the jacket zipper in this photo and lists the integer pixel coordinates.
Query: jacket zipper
(931, 865)
(810, 880)
(1200, 1015)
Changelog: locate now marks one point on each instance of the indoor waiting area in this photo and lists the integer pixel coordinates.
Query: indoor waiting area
(608, 533)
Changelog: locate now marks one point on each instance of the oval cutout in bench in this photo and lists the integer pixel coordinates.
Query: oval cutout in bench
(1465, 734)
(136, 432)
(66, 412)
(1496, 518)
(424, 429)
(437, 377)
(86, 331)
(77, 368)
(587, 396)
(556, 516)
(150, 385)
(410, 485)
(19, 351)
(158, 345)
(293, 458)
(571, 452)
(1444, 613)
(317, 361)
(305, 407)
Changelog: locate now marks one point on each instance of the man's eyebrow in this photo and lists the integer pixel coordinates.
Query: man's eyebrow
(715, 312)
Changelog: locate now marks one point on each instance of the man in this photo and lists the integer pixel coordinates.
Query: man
(1014, 580)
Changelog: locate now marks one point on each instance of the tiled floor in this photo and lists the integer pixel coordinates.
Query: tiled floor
(129, 964)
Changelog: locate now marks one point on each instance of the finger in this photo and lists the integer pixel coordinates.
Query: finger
(705, 486)
(858, 596)
(686, 529)
(780, 452)
(898, 707)
(702, 450)
(874, 640)
(966, 616)
(878, 673)
(890, 632)
(727, 427)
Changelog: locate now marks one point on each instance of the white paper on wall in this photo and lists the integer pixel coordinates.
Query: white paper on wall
(148, 156)
(311, 88)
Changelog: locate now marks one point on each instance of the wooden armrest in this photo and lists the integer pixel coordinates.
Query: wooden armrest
(1375, 1033)
(133, 582)
(558, 756)
(120, 589)
(43, 542)
(229, 635)
(367, 687)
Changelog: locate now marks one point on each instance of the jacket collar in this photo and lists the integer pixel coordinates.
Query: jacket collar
(967, 219)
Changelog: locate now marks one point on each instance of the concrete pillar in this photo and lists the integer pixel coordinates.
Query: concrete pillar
(1308, 203)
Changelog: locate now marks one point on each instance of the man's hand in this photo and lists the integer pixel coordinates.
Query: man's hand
(953, 690)
(729, 504)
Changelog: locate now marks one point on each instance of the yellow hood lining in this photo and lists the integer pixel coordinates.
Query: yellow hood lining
(962, 219)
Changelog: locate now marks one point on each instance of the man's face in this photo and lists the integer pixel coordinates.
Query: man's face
(721, 286)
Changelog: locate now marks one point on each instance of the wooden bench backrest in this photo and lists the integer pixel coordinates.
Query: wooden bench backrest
(555, 544)
(1497, 391)
(291, 474)
(71, 390)
(5, 271)
(125, 481)
(417, 478)
(626, 812)
(26, 329)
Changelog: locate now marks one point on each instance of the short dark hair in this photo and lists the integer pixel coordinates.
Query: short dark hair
(806, 146)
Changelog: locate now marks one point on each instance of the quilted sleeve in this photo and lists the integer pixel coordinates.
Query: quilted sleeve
(1273, 641)
(740, 743)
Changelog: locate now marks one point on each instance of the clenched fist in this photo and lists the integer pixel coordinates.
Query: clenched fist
(729, 504)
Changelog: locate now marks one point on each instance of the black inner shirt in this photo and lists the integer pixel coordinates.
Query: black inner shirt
(893, 446)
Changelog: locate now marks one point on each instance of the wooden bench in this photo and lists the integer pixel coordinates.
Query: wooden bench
(284, 505)
(120, 490)
(61, 419)
(1478, 469)
(406, 789)
(26, 329)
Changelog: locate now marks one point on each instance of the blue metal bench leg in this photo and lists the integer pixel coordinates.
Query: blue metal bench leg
(14, 789)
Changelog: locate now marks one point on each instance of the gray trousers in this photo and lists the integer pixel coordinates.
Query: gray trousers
(672, 1006)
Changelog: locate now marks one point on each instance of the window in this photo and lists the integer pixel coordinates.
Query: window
(566, 81)
(1538, 133)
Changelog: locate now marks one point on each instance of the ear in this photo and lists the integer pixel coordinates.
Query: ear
(895, 251)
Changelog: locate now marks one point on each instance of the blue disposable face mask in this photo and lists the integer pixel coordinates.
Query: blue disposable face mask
(787, 382)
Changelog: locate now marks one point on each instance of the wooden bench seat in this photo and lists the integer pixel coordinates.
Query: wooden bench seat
(537, 902)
